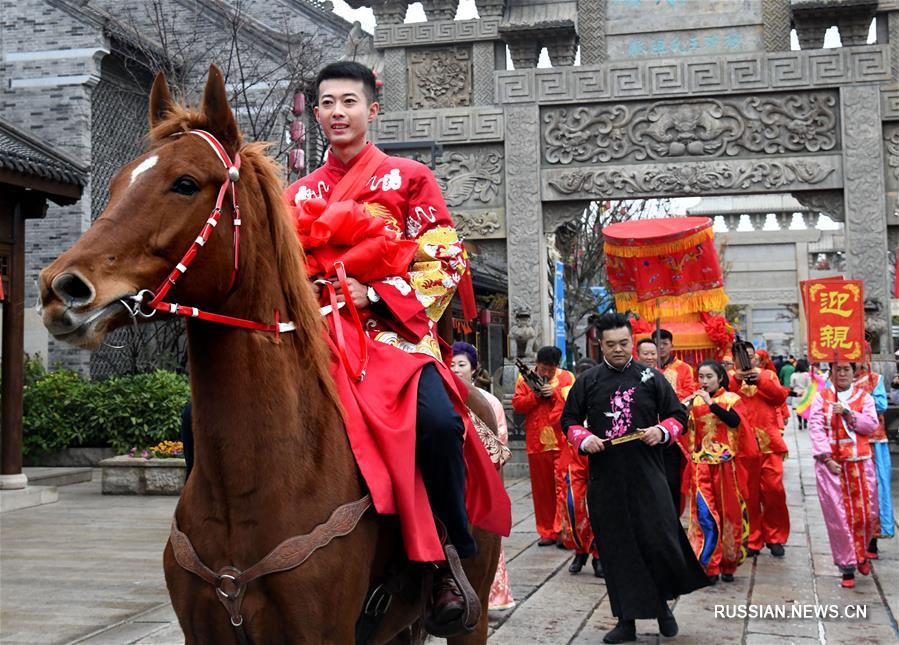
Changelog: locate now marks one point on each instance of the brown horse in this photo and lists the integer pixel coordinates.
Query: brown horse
(272, 458)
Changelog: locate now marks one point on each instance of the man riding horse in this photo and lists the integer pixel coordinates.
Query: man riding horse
(403, 395)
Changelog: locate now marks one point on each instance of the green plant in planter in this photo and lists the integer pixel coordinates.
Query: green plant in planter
(65, 410)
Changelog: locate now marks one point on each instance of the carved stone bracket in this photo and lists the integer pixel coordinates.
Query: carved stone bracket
(829, 202)
(555, 214)
(763, 125)
(440, 9)
(490, 8)
(439, 78)
(690, 178)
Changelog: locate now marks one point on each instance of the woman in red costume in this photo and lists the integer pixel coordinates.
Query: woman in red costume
(762, 396)
(718, 520)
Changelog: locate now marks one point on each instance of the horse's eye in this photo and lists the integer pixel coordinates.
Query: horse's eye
(185, 186)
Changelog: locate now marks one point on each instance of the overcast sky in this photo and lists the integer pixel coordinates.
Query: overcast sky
(468, 10)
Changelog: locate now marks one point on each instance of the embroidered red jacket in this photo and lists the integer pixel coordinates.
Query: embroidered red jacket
(761, 402)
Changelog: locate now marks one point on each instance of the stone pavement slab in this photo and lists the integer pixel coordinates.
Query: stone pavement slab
(88, 570)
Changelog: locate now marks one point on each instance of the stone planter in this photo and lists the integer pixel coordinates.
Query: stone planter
(124, 475)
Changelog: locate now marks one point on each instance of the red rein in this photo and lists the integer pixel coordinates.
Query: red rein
(157, 303)
(180, 269)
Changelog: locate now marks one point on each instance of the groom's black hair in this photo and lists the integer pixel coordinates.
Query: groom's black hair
(351, 70)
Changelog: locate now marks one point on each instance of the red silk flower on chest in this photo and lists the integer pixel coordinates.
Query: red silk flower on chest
(350, 232)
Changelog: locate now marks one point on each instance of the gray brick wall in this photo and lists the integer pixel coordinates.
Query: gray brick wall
(50, 62)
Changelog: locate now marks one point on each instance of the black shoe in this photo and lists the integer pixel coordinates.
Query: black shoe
(624, 632)
(713, 580)
(727, 577)
(545, 542)
(751, 553)
(561, 545)
(447, 603)
(872, 546)
(777, 550)
(597, 568)
(580, 559)
(667, 624)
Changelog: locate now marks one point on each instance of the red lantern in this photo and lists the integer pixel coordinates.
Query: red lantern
(484, 317)
(299, 104)
(297, 159)
(297, 131)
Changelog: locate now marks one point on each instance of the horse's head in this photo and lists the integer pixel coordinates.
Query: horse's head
(158, 204)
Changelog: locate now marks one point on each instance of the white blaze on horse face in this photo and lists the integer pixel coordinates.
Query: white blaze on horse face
(142, 167)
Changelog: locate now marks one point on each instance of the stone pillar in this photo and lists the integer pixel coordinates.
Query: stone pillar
(395, 88)
(865, 204)
(893, 29)
(526, 243)
(776, 25)
(591, 28)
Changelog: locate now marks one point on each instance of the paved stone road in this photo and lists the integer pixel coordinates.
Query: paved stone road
(87, 570)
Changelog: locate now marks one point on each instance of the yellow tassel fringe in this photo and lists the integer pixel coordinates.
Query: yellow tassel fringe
(711, 300)
(664, 248)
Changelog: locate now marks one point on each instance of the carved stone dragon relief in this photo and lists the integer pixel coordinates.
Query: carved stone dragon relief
(778, 124)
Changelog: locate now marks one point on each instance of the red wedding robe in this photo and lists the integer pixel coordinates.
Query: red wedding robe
(380, 410)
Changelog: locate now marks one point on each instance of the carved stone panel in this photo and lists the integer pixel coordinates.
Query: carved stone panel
(866, 248)
(394, 77)
(480, 224)
(891, 168)
(829, 202)
(728, 127)
(439, 78)
(692, 178)
(472, 177)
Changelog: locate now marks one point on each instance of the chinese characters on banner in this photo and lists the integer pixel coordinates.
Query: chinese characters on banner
(835, 312)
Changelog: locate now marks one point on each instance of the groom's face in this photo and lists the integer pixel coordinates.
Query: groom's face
(344, 111)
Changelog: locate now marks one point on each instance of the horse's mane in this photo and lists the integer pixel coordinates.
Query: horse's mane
(302, 307)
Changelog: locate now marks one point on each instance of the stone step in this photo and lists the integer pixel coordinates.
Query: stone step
(46, 476)
(14, 500)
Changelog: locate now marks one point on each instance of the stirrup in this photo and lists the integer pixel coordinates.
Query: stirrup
(471, 614)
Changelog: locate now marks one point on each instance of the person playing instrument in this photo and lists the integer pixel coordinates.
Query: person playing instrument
(544, 439)
(680, 375)
(465, 366)
(718, 523)
(383, 221)
(645, 553)
(763, 396)
(648, 353)
(840, 423)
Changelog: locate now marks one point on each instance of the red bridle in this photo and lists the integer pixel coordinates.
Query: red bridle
(157, 303)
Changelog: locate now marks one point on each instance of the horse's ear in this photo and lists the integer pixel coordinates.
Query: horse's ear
(218, 112)
(161, 102)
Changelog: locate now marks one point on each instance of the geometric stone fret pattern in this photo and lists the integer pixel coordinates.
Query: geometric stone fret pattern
(451, 125)
(696, 75)
(436, 32)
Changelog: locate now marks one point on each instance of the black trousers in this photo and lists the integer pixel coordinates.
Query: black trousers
(439, 435)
